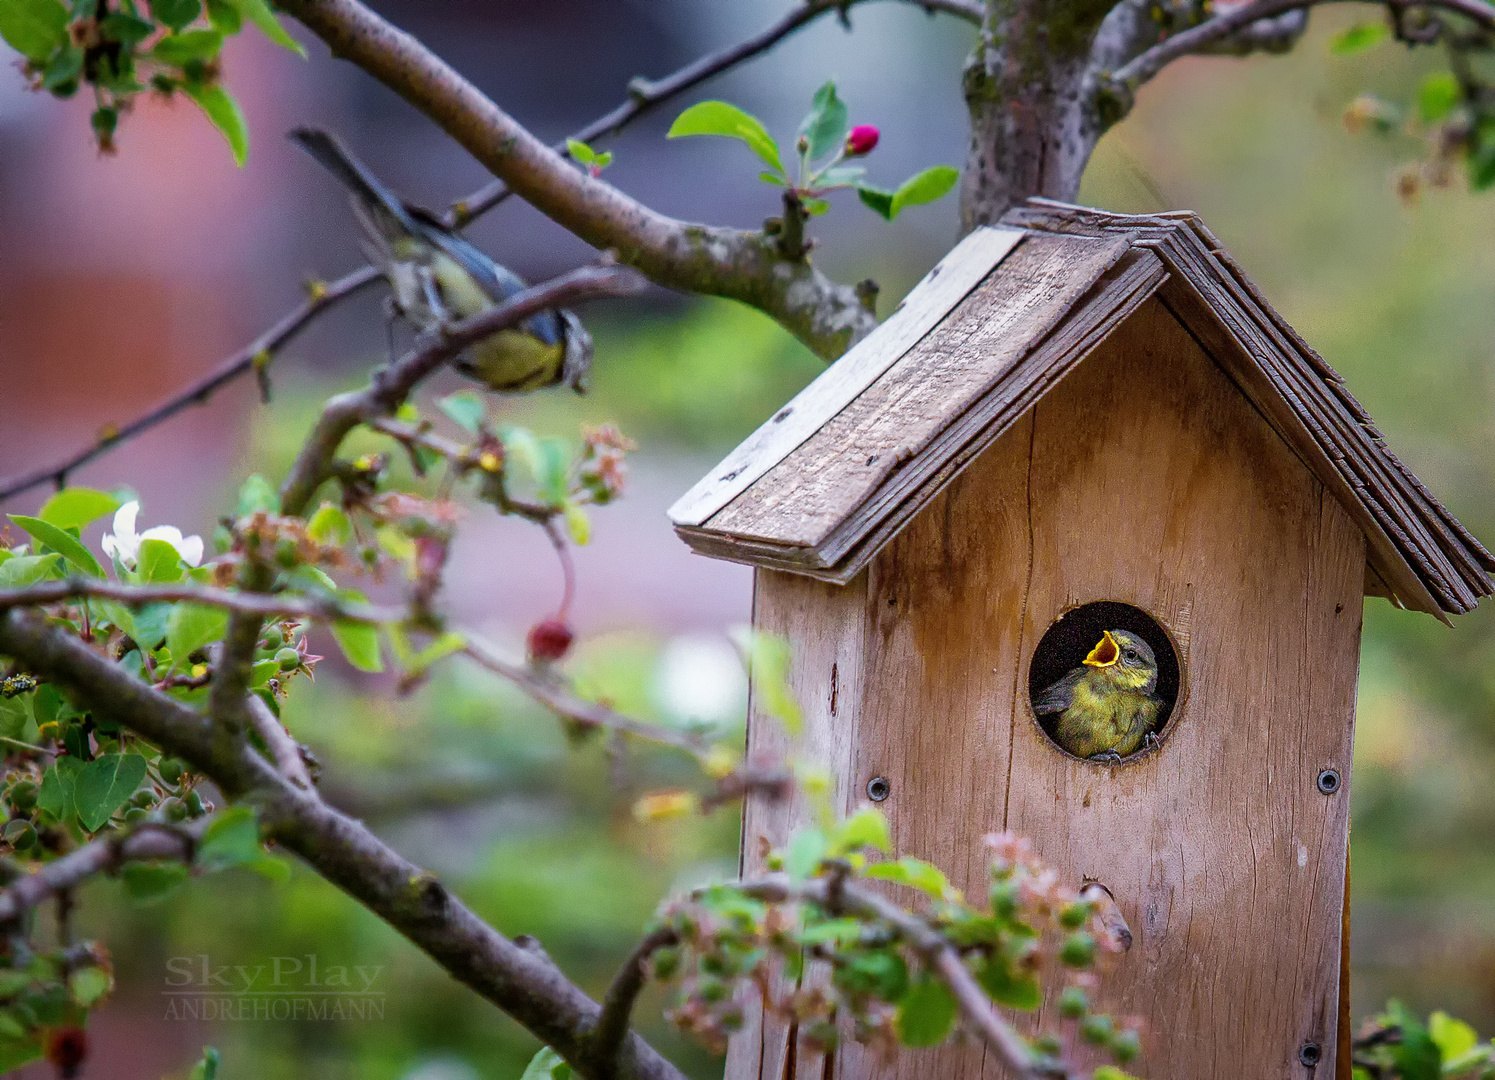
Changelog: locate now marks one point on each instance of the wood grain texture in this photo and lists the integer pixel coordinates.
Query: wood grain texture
(824, 624)
(814, 489)
(929, 301)
(1225, 859)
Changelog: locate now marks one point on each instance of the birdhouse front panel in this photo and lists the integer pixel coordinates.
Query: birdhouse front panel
(1145, 479)
(1075, 546)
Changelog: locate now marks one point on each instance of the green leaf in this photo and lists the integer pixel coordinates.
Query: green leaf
(88, 985)
(768, 668)
(151, 624)
(879, 200)
(840, 176)
(825, 126)
(104, 785)
(933, 183)
(772, 178)
(329, 525)
(78, 507)
(466, 409)
(926, 1014)
(807, 848)
(232, 839)
(63, 71)
(148, 882)
(179, 50)
(23, 570)
(916, 874)
(158, 563)
(814, 207)
(1006, 987)
(578, 525)
(866, 828)
(1438, 96)
(34, 28)
(1359, 38)
(56, 793)
(190, 627)
(15, 714)
(17, 1052)
(1454, 1038)
(581, 152)
(259, 13)
(224, 112)
(719, 118)
(546, 1065)
(207, 1068)
(359, 643)
(255, 496)
(175, 14)
(64, 543)
(554, 475)
(225, 16)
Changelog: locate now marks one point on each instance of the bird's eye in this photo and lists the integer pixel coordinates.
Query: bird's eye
(1129, 655)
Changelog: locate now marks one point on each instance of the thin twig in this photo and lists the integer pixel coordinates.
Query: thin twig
(392, 385)
(590, 713)
(937, 952)
(283, 748)
(645, 94)
(272, 606)
(622, 992)
(250, 358)
(462, 458)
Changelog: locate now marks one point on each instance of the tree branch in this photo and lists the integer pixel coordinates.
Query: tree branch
(644, 94)
(519, 981)
(391, 385)
(1125, 80)
(260, 604)
(103, 856)
(837, 894)
(739, 265)
(254, 357)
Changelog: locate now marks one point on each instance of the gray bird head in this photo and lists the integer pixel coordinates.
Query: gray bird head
(1129, 658)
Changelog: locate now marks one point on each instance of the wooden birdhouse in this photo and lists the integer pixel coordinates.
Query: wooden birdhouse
(1083, 422)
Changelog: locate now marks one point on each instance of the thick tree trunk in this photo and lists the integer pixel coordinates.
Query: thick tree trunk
(1034, 114)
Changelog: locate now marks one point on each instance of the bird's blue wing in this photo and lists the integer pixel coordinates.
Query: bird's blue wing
(499, 282)
(1059, 696)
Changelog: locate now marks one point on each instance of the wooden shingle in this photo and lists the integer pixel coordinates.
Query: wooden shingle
(823, 485)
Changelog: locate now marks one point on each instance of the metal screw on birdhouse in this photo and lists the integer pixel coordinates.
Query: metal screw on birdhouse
(878, 789)
(1310, 1054)
(1329, 781)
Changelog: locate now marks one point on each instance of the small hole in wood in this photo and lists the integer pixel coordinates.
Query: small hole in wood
(1328, 781)
(878, 789)
(1103, 682)
(1310, 1054)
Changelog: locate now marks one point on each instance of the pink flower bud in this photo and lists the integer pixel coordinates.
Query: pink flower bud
(861, 140)
(549, 640)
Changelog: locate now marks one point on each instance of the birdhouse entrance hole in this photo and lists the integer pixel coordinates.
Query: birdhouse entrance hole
(1086, 638)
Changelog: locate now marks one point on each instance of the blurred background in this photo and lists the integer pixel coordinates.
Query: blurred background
(123, 277)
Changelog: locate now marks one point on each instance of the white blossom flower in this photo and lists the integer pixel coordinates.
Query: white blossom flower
(124, 542)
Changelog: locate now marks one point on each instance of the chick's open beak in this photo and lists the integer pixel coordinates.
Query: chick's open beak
(1105, 652)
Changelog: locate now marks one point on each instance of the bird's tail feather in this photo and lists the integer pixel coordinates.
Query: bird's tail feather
(385, 210)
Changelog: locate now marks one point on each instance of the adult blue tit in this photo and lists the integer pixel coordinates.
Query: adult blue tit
(438, 277)
(1107, 706)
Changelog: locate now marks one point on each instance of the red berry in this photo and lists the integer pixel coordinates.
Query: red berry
(549, 640)
(861, 140)
(66, 1049)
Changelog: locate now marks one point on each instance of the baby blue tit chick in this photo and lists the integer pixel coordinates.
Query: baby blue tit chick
(1108, 705)
(437, 278)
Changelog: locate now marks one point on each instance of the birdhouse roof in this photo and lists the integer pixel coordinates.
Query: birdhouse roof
(838, 471)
